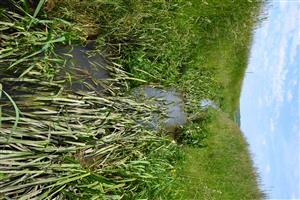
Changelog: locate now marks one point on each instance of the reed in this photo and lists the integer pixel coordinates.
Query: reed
(60, 144)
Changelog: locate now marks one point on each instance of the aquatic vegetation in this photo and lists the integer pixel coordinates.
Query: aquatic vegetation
(57, 143)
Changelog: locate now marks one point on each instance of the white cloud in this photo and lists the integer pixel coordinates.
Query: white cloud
(267, 169)
(294, 196)
(294, 82)
(268, 99)
(295, 45)
(289, 96)
(260, 102)
(279, 70)
(263, 141)
(282, 5)
(265, 30)
(285, 42)
(272, 125)
(295, 128)
(288, 31)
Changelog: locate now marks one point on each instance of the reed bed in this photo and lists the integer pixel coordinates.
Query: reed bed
(56, 143)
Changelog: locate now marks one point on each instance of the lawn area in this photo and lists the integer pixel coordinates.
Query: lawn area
(89, 146)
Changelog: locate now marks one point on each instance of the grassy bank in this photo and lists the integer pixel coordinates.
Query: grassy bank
(223, 168)
(198, 47)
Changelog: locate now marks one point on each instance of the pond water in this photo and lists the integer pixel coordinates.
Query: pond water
(166, 99)
(269, 103)
(87, 68)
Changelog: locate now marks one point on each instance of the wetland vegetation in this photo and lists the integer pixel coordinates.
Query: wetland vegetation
(61, 143)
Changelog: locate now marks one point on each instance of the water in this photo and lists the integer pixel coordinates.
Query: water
(206, 103)
(86, 68)
(269, 104)
(167, 99)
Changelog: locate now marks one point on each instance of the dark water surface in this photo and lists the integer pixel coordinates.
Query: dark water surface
(87, 68)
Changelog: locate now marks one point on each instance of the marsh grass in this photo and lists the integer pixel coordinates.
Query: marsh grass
(200, 47)
(61, 144)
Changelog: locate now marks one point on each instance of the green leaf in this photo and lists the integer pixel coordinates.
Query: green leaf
(17, 111)
(36, 12)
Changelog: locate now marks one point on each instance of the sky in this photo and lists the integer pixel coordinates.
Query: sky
(270, 100)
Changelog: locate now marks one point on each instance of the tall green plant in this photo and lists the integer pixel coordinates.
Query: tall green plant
(66, 144)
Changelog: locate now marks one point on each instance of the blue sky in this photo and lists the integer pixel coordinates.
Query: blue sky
(270, 100)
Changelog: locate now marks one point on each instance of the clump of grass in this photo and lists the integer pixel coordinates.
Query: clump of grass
(64, 144)
(155, 41)
(143, 34)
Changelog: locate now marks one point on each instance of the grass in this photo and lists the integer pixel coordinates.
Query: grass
(201, 48)
(198, 47)
(60, 144)
(221, 169)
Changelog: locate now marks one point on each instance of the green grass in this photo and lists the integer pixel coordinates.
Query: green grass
(56, 143)
(198, 47)
(224, 35)
(222, 169)
(201, 48)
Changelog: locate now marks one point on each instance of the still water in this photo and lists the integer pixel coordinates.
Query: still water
(270, 99)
